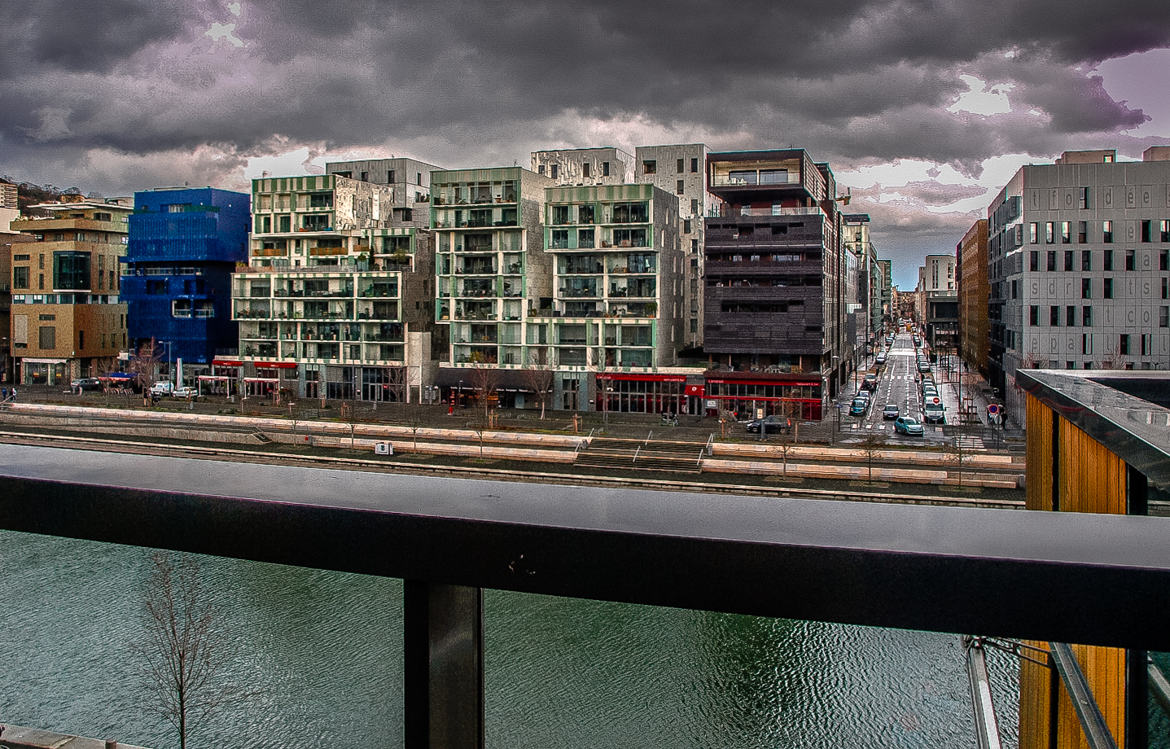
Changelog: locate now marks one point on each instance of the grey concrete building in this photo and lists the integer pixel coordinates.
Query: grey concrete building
(1078, 267)
(679, 170)
(604, 165)
(409, 181)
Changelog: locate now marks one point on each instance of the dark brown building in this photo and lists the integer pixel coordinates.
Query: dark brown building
(774, 283)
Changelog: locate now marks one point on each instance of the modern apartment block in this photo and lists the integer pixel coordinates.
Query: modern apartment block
(67, 317)
(9, 244)
(1078, 266)
(971, 269)
(183, 246)
(492, 272)
(336, 300)
(614, 326)
(938, 302)
(774, 315)
(8, 197)
(867, 294)
(604, 165)
(679, 169)
(885, 306)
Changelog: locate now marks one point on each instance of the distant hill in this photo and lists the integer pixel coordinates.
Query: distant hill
(28, 194)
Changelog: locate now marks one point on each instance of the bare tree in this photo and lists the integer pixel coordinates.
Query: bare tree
(485, 381)
(957, 453)
(143, 365)
(416, 417)
(539, 378)
(182, 649)
(871, 448)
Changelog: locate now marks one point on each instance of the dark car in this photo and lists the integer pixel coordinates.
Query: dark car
(772, 423)
(859, 406)
(870, 381)
(890, 411)
(86, 383)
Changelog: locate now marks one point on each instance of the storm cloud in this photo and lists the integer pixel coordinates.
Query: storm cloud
(121, 95)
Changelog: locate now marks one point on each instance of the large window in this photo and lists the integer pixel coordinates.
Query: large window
(70, 270)
(47, 337)
(20, 277)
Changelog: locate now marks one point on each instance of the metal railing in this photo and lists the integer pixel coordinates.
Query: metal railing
(1063, 577)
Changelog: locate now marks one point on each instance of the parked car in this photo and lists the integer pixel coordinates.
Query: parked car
(86, 383)
(933, 412)
(772, 423)
(890, 411)
(908, 425)
(870, 381)
(859, 407)
(169, 388)
(924, 366)
(880, 359)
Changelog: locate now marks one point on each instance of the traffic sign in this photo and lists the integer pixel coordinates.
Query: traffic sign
(993, 408)
(936, 400)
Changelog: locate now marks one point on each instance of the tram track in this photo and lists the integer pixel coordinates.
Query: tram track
(518, 473)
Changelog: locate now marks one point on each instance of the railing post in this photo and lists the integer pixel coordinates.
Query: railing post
(443, 666)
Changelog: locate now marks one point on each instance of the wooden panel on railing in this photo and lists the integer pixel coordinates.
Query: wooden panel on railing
(1038, 487)
(1035, 699)
(1092, 478)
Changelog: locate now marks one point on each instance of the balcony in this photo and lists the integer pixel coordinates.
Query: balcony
(1050, 578)
(328, 251)
(269, 252)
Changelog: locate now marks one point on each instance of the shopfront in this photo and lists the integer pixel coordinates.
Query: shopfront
(641, 393)
(224, 379)
(44, 371)
(752, 398)
(270, 379)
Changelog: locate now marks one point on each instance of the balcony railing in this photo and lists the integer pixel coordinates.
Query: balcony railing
(1063, 577)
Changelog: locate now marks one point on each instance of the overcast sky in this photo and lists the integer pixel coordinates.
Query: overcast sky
(923, 109)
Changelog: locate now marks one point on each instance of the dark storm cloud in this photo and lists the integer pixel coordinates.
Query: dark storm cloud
(855, 82)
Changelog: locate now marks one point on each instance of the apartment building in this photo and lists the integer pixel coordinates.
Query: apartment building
(679, 169)
(884, 309)
(971, 269)
(8, 197)
(492, 274)
(938, 302)
(774, 321)
(9, 243)
(409, 181)
(1078, 266)
(183, 246)
(604, 165)
(614, 326)
(336, 301)
(68, 319)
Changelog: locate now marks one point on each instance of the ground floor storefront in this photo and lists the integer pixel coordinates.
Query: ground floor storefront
(756, 397)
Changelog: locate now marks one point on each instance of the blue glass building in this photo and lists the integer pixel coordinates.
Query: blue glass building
(183, 247)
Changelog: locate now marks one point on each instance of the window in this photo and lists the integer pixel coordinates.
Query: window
(1164, 317)
(1146, 343)
(41, 261)
(1068, 259)
(1147, 230)
(1065, 232)
(41, 281)
(1107, 260)
(1107, 291)
(1049, 232)
(1164, 260)
(555, 170)
(1033, 315)
(1051, 260)
(20, 277)
(47, 337)
(679, 187)
(605, 169)
(586, 170)
(81, 339)
(686, 226)
(694, 205)
(649, 166)
(1087, 316)
(1123, 344)
(1165, 227)
(390, 177)
(679, 166)
(1086, 260)
(1070, 315)
(1130, 259)
(1086, 288)
(1083, 197)
(1033, 229)
(1034, 260)
(1082, 232)
(1015, 289)
(694, 166)
(1086, 345)
(1054, 316)
(1107, 231)
(1165, 289)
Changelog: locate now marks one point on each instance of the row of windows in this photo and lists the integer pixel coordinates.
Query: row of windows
(1063, 229)
(1069, 318)
(650, 166)
(1068, 262)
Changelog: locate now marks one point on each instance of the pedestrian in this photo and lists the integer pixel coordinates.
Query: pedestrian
(3, 394)
(13, 394)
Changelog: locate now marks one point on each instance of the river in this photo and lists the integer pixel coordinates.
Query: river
(323, 652)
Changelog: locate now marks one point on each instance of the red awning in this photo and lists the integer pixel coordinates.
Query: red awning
(722, 381)
(227, 363)
(696, 390)
(261, 379)
(275, 365)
